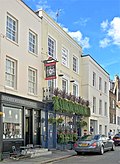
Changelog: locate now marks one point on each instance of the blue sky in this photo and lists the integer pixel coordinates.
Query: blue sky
(94, 24)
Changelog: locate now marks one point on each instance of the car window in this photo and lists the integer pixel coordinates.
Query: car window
(96, 137)
(117, 135)
(86, 138)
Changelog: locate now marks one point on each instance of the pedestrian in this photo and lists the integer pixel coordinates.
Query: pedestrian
(110, 134)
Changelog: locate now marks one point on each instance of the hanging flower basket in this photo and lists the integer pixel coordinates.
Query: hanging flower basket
(60, 120)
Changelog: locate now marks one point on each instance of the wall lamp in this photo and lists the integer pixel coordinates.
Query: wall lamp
(72, 81)
(60, 75)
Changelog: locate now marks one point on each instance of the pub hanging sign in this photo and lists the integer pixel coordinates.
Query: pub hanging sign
(50, 68)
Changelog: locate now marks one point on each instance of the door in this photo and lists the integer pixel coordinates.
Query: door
(28, 127)
(37, 135)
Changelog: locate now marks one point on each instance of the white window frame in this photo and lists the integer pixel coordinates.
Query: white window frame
(75, 64)
(65, 88)
(12, 28)
(32, 42)
(10, 73)
(51, 47)
(94, 79)
(32, 81)
(64, 56)
(77, 89)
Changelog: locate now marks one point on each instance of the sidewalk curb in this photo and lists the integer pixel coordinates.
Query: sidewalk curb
(56, 159)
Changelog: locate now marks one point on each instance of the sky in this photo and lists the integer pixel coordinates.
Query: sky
(94, 24)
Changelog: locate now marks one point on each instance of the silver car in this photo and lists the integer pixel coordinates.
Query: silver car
(94, 143)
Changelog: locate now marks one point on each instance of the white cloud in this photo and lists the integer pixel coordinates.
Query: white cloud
(77, 36)
(104, 25)
(112, 32)
(82, 21)
(104, 43)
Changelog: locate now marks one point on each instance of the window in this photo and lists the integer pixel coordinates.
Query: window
(105, 87)
(32, 42)
(94, 79)
(100, 83)
(100, 129)
(32, 81)
(100, 107)
(12, 28)
(12, 123)
(75, 64)
(106, 130)
(113, 103)
(75, 89)
(10, 74)
(51, 83)
(51, 47)
(94, 104)
(65, 85)
(105, 109)
(65, 57)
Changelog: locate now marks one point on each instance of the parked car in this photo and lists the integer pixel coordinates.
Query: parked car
(94, 143)
(116, 139)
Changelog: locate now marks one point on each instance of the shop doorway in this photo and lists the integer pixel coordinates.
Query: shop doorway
(28, 127)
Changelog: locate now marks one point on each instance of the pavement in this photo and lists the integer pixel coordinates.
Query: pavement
(56, 155)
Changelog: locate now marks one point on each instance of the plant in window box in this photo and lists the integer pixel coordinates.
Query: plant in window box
(52, 120)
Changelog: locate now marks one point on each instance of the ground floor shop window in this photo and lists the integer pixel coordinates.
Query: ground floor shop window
(12, 123)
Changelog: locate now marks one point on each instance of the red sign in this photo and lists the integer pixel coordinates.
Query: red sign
(50, 70)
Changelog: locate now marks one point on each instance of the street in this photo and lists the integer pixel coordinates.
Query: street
(110, 157)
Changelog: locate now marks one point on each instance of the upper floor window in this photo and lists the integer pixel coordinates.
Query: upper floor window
(94, 104)
(100, 106)
(51, 47)
(32, 81)
(105, 109)
(75, 64)
(75, 89)
(64, 56)
(94, 79)
(12, 28)
(100, 83)
(32, 42)
(65, 85)
(10, 74)
(105, 87)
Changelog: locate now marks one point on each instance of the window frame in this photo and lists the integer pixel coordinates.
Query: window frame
(32, 81)
(75, 65)
(11, 73)
(65, 88)
(12, 28)
(65, 56)
(32, 42)
(94, 79)
(51, 47)
(94, 104)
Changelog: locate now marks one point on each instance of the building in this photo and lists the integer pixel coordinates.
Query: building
(95, 88)
(20, 63)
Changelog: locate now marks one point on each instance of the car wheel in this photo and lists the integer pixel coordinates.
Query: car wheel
(79, 153)
(113, 147)
(101, 150)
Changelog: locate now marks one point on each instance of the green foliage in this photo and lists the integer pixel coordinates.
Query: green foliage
(81, 123)
(52, 120)
(69, 107)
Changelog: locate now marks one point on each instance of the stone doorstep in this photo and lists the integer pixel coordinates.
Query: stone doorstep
(38, 152)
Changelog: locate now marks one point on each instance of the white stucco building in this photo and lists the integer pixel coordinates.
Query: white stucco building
(95, 88)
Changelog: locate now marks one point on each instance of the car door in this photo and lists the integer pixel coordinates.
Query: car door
(105, 142)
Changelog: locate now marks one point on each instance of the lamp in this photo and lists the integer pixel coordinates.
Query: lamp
(72, 81)
(60, 75)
